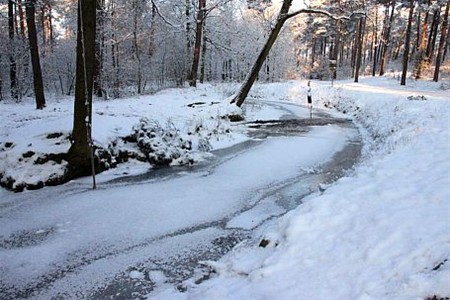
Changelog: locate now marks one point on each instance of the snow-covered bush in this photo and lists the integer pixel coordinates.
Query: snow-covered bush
(163, 146)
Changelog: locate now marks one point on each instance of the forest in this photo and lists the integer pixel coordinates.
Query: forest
(224, 149)
(143, 46)
(115, 49)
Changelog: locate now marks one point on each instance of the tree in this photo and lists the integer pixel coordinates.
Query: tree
(359, 46)
(444, 29)
(282, 17)
(99, 45)
(34, 52)
(198, 42)
(12, 59)
(407, 43)
(80, 154)
(386, 38)
(433, 33)
(422, 59)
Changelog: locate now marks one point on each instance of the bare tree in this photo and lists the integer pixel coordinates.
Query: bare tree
(198, 42)
(34, 52)
(80, 154)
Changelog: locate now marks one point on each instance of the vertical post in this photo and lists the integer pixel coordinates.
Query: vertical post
(309, 98)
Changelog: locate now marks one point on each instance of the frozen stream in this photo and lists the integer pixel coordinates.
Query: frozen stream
(137, 232)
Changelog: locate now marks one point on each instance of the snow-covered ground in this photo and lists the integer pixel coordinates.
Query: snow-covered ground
(27, 134)
(68, 240)
(382, 231)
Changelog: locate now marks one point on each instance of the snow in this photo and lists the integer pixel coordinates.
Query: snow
(380, 232)
(28, 129)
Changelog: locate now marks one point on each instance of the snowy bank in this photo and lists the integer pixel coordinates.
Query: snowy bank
(173, 127)
(382, 232)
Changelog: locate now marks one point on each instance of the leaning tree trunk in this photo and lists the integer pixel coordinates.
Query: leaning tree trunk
(407, 44)
(283, 16)
(441, 43)
(198, 42)
(253, 74)
(34, 52)
(80, 152)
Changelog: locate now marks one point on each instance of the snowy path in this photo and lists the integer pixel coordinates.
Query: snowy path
(394, 89)
(68, 240)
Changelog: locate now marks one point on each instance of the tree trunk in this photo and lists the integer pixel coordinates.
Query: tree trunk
(21, 18)
(99, 44)
(253, 74)
(136, 48)
(337, 42)
(446, 45)
(375, 43)
(34, 52)
(433, 34)
(198, 42)
(79, 155)
(386, 40)
(188, 38)
(203, 64)
(50, 27)
(422, 43)
(359, 46)
(444, 29)
(407, 43)
(417, 43)
(12, 59)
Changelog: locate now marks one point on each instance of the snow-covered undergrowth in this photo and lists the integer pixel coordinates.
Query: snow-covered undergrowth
(173, 127)
(382, 232)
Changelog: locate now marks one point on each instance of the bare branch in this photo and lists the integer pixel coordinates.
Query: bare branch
(210, 9)
(162, 17)
(322, 12)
